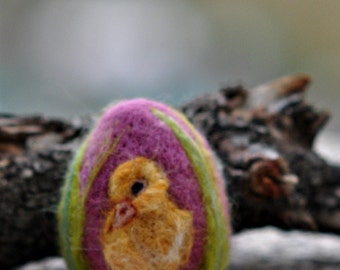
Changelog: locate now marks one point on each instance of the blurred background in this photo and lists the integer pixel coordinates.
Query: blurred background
(72, 57)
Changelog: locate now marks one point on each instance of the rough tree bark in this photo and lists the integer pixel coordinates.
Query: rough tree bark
(263, 136)
(34, 152)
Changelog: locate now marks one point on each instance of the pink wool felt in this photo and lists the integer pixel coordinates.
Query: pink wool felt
(139, 133)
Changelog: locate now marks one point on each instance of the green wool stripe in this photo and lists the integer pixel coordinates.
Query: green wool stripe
(76, 219)
(71, 185)
(216, 248)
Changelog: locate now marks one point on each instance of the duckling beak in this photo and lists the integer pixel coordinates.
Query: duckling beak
(124, 213)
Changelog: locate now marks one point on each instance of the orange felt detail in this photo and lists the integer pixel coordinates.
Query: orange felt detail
(159, 235)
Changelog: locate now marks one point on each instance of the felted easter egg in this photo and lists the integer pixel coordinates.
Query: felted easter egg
(144, 192)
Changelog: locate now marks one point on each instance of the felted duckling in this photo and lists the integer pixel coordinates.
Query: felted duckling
(144, 223)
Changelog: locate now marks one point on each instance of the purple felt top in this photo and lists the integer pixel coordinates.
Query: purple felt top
(140, 133)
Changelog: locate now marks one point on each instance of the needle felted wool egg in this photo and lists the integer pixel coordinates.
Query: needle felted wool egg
(144, 192)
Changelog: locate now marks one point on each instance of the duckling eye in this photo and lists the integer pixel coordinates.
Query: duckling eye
(137, 187)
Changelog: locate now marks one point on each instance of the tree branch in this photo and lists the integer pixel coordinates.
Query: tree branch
(263, 136)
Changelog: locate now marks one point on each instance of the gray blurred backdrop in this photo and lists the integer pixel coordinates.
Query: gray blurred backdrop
(72, 57)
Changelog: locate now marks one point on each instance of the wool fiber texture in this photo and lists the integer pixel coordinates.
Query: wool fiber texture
(144, 192)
